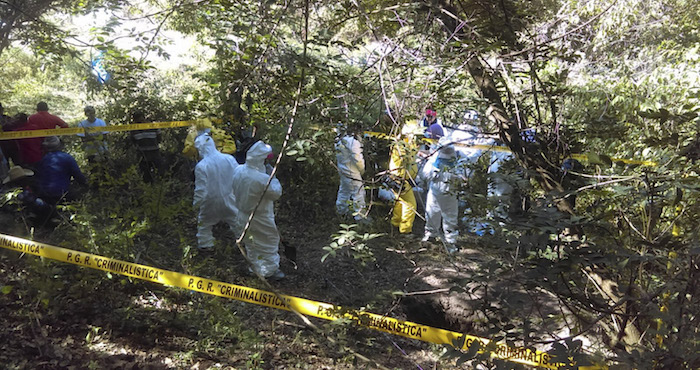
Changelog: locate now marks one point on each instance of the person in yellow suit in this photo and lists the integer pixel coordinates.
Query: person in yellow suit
(224, 142)
(402, 165)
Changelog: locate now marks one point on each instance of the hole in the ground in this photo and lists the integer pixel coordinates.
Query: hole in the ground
(431, 313)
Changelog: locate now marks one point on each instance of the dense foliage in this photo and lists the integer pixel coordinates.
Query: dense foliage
(613, 243)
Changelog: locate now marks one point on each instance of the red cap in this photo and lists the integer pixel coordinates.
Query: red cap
(430, 112)
(270, 156)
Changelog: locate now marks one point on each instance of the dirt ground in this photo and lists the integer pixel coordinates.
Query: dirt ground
(70, 317)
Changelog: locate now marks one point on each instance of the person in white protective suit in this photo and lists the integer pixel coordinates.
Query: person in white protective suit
(499, 189)
(441, 208)
(213, 192)
(471, 135)
(262, 238)
(351, 167)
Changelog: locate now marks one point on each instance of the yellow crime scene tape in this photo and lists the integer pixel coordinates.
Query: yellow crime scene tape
(613, 159)
(497, 148)
(11, 135)
(87, 130)
(307, 307)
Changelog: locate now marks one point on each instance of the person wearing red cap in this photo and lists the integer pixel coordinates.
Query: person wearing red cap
(432, 124)
(429, 118)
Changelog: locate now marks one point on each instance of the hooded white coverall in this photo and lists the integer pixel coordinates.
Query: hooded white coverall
(262, 238)
(351, 167)
(498, 188)
(213, 190)
(441, 205)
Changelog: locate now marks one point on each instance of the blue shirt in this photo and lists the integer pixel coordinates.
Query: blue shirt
(93, 143)
(98, 123)
(54, 173)
(435, 131)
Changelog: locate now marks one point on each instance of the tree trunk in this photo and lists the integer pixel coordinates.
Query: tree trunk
(531, 155)
(543, 163)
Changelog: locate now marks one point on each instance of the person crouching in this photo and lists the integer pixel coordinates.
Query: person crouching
(54, 173)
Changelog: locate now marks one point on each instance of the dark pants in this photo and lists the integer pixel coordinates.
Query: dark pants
(151, 165)
(11, 151)
(43, 208)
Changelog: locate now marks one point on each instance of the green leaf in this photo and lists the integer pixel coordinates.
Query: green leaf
(593, 158)
(6, 289)
(473, 349)
(459, 341)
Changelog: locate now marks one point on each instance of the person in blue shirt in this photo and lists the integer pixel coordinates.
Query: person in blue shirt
(52, 180)
(433, 125)
(55, 171)
(93, 142)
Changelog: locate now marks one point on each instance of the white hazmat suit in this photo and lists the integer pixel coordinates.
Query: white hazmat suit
(441, 204)
(262, 238)
(498, 188)
(351, 167)
(213, 190)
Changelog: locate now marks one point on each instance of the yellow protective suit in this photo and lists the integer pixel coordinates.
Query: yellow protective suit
(224, 142)
(403, 165)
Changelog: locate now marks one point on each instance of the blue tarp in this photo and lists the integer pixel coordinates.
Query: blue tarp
(99, 70)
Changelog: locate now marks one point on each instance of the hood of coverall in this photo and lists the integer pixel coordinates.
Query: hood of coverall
(255, 158)
(205, 145)
(203, 126)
